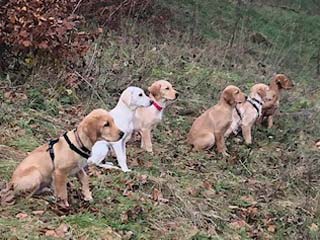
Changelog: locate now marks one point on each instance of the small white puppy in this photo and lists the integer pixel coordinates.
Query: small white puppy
(131, 99)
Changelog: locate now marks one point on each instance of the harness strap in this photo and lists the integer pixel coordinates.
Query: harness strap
(238, 112)
(50, 148)
(257, 101)
(252, 101)
(74, 148)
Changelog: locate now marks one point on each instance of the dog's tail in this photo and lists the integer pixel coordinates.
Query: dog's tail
(27, 184)
(190, 143)
(7, 195)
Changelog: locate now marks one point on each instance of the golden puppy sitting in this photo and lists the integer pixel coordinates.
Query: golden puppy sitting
(211, 126)
(146, 119)
(245, 115)
(61, 158)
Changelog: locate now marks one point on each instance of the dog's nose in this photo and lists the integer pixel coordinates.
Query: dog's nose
(245, 97)
(151, 102)
(177, 95)
(121, 134)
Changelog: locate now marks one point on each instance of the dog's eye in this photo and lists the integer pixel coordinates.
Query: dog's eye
(167, 88)
(107, 124)
(140, 95)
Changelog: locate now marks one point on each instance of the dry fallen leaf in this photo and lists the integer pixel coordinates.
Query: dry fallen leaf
(314, 227)
(124, 217)
(59, 232)
(51, 233)
(22, 216)
(193, 191)
(272, 228)
(207, 185)
(38, 212)
(237, 224)
(157, 196)
(143, 179)
(252, 211)
(134, 163)
(249, 199)
(62, 230)
(148, 164)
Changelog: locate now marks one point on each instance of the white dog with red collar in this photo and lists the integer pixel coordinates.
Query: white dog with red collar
(130, 100)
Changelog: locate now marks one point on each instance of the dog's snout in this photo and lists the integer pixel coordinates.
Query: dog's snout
(245, 97)
(121, 134)
(177, 95)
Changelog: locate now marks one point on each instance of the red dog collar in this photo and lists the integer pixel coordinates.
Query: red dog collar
(157, 106)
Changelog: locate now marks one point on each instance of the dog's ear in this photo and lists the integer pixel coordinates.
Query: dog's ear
(126, 97)
(280, 80)
(262, 92)
(91, 128)
(228, 96)
(154, 89)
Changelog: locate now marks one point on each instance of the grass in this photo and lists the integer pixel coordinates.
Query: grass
(269, 190)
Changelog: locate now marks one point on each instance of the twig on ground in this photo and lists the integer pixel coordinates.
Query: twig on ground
(245, 167)
(76, 7)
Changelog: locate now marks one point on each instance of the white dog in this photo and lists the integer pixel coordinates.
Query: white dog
(123, 114)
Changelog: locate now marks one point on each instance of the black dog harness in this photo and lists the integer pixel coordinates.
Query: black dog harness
(239, 113)
(253, 102)
(83, 151)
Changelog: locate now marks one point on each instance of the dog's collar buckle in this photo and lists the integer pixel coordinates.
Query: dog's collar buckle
(157, 106)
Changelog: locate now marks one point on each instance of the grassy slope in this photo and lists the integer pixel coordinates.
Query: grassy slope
(269, 190)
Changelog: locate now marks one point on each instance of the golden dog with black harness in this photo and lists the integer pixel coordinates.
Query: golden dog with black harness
(62, 157)
(245, 114)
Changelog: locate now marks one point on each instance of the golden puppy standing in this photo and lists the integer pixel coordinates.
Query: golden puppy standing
(278, 83)
(211, 126)
(147, 118)
(62, 157)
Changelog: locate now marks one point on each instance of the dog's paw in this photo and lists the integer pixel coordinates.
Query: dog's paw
(126, 170)
(109, 163)
(90, 161)
(108, 166)
(88, 198)
(63, 204)
(150, 151)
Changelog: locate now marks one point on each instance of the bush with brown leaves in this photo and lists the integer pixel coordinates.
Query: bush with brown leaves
(53, 25)
(45, 25)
